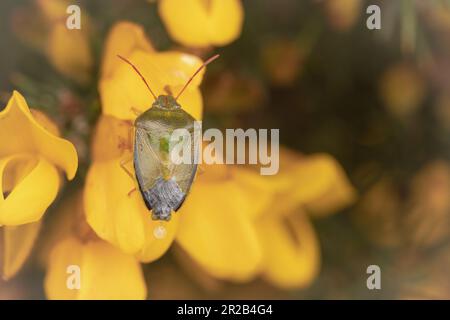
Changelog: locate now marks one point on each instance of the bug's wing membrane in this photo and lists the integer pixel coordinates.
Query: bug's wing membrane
(147, 163)
(184, 173)
(185, 182)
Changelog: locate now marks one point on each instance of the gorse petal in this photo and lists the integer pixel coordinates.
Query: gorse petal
(65, 254)
(27, 201)
(191, 101)
(17, 244)
(119, 221)
(254, 186)
(123, 39)
(402, 89)
(201, 23)
(69, 219)
(112, 138)
(291, 251)
(128, 282)
(343, 14)
(311, 180)
(155, 247)
(53, 10)
(226, 19)
(21, 133)
(337, 193)
(218, 232)
(30, 155)
(125, 222)
(69, 52)
(105, 272)
(290, 246)
(124, 90)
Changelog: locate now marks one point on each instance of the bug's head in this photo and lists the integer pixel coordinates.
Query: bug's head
(166, 102)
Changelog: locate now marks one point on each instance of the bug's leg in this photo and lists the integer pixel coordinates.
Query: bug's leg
(123, 164)
(200, 169)
(136, 111)
(132, 191)
(127, 143)
(130, 136)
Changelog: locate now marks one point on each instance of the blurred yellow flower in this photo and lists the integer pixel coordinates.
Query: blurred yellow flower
(438, 17)
(122, 90)
(314, 185)
(282, 60)
(202, 23)
(418, 218)
(17, 243)
(105, 272)
(216, 221)
(402, 89)
(230, 92)
(123, 39)
(343, 14)
(53, 10)
(237, 224)
(291, 250)
(30, 156)
(68, 50)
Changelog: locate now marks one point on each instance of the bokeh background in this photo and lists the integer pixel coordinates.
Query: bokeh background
(378, 101)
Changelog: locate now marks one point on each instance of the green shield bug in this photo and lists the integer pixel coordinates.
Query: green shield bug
(162, 183)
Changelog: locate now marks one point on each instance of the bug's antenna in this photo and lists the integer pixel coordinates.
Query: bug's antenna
(196, 72)
(140, 74)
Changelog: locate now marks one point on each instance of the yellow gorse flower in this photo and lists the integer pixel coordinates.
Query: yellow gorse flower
(68, 50)
(343, 14)
(238, 225)
(316, 186)
(123, 93)
(105, 272)
(216, 221)
(31, 152)
(402, 89)
(202, 23)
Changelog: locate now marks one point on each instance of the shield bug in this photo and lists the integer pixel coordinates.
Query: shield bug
(163, 184)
